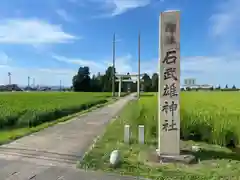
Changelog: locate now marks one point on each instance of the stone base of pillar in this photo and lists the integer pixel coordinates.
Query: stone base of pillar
(183, 157)
(151, 157)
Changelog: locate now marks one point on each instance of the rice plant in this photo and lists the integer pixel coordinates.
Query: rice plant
(31, 109)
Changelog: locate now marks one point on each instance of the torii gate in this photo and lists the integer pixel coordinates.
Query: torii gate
(120, 80)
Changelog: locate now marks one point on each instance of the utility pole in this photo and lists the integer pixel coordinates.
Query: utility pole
(139, 58)
(28, 81)
(60, 85)
(9, 78)
(33, 82)
(113, 68)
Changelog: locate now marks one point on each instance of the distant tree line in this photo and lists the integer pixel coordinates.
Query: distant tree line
(103, 82)
(82, 82)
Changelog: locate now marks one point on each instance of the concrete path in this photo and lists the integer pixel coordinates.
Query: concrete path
(52, 153)
(22, 170)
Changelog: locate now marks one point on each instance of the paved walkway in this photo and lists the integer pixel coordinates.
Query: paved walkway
(51, 154)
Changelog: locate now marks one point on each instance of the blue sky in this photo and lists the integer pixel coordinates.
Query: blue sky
(49, 39)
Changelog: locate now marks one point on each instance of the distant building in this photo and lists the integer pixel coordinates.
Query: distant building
(190, 81)
(198, 87)
(10, 87)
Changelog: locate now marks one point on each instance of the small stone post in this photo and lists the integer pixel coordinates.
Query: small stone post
(120, 87)
(141, 134)
(126, 133)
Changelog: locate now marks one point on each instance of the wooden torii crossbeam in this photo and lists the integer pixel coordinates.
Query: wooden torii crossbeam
(120, 80)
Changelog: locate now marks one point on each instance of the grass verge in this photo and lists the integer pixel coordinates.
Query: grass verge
(8, 135)
(214, 161)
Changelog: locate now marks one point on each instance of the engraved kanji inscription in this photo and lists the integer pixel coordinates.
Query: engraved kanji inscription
(170, 90)
(170, 57)
(170, 73)
(166, 126)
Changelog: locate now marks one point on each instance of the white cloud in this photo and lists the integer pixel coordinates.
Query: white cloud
(4, 59)
(117, 7)
(128, 64)
(149, 66)
(95, 66)
(212, 70)
(64, 15)
(226, 17)
(78, 61)
(4, 66)
(42, 76)
(57, 71)
(32, 31)
(211, 65)
(123, 64)
(122, 6)
(47, 76)
(225, 24)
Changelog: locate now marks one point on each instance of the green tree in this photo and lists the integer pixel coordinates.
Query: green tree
(81, 81)
(218, 87)
(96, 84)
(155, 82)
(107, 80)
(147, 83)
